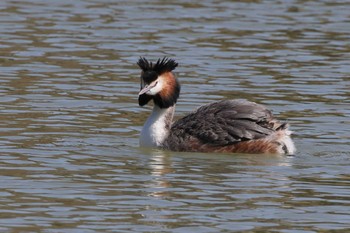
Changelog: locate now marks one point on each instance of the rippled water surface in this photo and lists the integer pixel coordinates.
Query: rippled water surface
(69, 120)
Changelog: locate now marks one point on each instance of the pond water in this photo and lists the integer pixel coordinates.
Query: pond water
(69, 120)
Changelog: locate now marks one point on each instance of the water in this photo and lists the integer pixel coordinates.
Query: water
(69, 119)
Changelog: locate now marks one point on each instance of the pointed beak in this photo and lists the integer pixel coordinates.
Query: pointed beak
(146, 88)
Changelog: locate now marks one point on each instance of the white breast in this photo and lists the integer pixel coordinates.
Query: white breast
(155, 130)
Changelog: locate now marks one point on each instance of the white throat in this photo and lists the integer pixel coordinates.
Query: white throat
(156, 128)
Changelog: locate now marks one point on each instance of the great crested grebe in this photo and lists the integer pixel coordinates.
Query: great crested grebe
(237, 126)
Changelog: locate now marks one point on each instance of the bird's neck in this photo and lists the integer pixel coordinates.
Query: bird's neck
(156, 128)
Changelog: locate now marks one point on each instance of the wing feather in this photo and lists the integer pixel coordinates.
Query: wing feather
(222, 123)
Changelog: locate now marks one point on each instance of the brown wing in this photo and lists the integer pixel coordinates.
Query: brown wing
(222, 123)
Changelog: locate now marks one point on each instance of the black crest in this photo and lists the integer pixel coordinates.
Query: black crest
(150, 73)
(161, 66)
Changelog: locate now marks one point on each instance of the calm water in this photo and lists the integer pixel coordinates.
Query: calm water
(70, 160)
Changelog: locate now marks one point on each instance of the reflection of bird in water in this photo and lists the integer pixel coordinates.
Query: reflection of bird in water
(225, 126)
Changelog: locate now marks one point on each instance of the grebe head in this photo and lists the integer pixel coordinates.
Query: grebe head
(158, 82)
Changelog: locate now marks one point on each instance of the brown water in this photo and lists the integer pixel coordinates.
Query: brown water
(69, 154)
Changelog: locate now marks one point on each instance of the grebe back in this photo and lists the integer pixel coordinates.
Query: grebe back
(237, 126)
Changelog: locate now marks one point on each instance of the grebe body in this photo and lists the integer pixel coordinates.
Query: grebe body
(230, 126)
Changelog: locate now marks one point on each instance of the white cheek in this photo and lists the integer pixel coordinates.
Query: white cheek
(155, 90)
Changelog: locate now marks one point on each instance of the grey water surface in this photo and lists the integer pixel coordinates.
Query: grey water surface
(69, 119)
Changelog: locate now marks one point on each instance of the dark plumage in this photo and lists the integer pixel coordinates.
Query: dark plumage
(224, 126)
(161, 66)
(220, 124)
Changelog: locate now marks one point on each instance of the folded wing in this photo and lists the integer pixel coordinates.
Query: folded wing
(222, 123)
